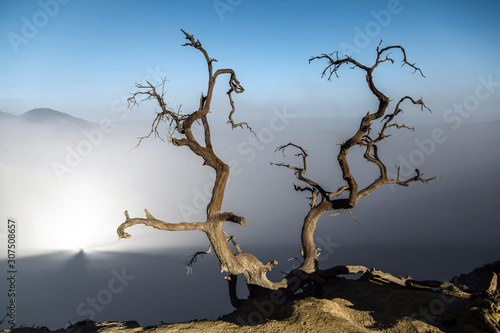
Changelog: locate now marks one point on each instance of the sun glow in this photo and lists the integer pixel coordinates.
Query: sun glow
(78, 215)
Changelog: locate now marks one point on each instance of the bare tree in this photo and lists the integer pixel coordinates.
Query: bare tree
(348, 195)
(236, 261)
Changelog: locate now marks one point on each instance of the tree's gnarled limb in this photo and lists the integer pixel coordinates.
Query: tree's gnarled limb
(403, 61)
(313, 187)
(157, 224)
(234, 86)
(194, 258)
(168, 115)
(379, 276)
(334, 62)
(362, 136)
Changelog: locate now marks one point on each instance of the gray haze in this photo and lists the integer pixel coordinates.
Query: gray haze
(67, 248)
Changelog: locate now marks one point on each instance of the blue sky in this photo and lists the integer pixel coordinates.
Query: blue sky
(85, 56)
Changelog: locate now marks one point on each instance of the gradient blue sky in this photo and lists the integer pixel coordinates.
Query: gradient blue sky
(85, 58)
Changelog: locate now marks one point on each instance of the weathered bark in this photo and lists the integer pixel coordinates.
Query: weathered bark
(310, 251)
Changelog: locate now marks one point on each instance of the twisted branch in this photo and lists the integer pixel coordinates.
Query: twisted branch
(362, 136)
(314, 187)
(194, 258)
(167, 114)
(157, 224)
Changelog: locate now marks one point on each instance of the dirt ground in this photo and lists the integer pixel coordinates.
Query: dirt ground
(343, 306)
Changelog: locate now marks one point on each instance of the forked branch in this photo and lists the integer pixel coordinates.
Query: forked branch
(363, 137)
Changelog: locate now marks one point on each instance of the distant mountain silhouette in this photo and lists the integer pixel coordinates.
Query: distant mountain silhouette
(49, 116)
(5, 116)
(43, 119)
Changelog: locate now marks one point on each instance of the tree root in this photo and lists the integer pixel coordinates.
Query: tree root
(302, 283)
(484, 306)
(383, 277)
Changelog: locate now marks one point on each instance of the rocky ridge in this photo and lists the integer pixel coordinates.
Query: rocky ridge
(343, 305)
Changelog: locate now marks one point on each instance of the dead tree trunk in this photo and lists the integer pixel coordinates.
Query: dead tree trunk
(181, 124)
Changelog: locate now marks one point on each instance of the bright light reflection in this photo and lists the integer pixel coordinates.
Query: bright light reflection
(78, 215)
